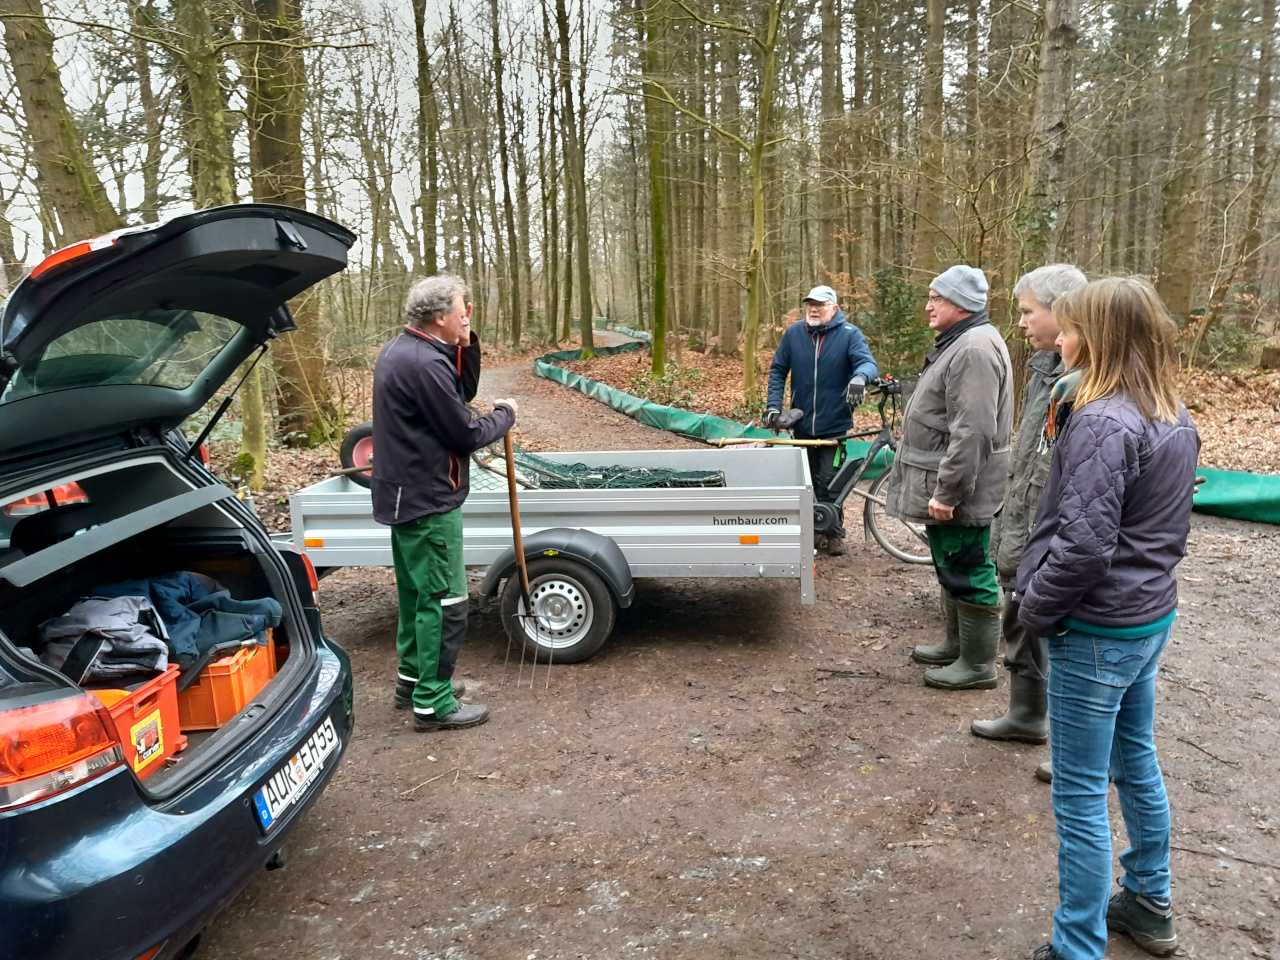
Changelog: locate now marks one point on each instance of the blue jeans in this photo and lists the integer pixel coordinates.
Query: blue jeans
(1101, 715)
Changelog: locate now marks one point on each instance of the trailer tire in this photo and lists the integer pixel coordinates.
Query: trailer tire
(357, 451)
(578, 610)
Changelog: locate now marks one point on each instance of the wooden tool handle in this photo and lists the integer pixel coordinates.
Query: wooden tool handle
(515, 519)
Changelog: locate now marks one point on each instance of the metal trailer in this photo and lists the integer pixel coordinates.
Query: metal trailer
(584, 547)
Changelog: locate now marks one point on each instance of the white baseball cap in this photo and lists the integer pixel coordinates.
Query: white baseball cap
(821, 295)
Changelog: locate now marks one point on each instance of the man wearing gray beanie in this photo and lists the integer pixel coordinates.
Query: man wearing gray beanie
(949, 473)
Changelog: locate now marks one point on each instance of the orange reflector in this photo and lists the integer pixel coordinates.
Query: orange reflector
(150, 954)
(748, 538)
(313, 542)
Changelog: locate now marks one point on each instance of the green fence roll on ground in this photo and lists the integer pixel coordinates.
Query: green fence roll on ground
(1225, 493)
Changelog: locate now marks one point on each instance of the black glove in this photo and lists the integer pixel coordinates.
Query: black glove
(770, 419)
(855, 391)
(789, 419)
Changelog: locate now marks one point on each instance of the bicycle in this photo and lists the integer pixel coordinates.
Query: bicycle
(904, 541)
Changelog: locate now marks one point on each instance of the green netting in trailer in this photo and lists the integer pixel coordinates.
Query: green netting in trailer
(540, 473)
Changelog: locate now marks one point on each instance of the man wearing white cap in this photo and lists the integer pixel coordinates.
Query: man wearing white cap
(830, 366)
(950, 469)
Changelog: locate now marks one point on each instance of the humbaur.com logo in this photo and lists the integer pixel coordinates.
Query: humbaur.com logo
(749, 521)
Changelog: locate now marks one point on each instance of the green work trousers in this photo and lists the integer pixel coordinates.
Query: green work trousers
(962, 560)
(432, 585)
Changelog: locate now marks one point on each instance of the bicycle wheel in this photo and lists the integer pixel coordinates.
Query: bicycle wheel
(904, 541)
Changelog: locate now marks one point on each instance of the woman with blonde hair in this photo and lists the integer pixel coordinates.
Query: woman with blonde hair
(1097, 579)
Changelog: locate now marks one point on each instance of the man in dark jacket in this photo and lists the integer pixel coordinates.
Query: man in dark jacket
(423, 437)
(830, 366)
(1027, 657)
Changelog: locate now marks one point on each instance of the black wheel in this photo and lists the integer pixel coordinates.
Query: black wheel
(357, 451)
(825, 518)
(907, 542)
(575, 611)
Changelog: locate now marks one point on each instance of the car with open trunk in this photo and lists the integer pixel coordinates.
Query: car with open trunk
(131, 809)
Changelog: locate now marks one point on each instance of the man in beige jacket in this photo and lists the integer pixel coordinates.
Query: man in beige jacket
(949, 473)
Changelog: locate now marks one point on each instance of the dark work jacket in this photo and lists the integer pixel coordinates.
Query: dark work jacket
(1113, 522)
(821, 360)
(423, 432)
(1029, 462)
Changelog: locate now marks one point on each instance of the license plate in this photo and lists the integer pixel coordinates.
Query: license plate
(291, 781)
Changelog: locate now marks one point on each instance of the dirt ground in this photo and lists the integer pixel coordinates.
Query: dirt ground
(736, 775)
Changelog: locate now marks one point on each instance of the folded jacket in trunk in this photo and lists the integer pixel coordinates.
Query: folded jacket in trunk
(105, 638)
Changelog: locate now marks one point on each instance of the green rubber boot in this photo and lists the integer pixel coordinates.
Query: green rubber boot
(975, 668)
(1025, 719)
(948, 649)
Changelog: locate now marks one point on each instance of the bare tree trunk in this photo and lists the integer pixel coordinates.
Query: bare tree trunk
(731, 228)
(141, 17)
(275, 82)
(575, 168)
(829, 165)
(1050, 126)
(1261, 163)
(508, 208)
(655, 133)
(214, 178)
(69, 183)
(1182, 194)
(428, 132)
(523, 239)
(929, 208)
(755, 264)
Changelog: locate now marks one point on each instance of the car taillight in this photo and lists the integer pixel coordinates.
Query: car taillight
(59, 496)
(76, 250)
(27, 506)
(311, 577)
(54, 746)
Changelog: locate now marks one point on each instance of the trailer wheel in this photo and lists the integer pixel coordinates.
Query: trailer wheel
(357, 450)
(575, 611)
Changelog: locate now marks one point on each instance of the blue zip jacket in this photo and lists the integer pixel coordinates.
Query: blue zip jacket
(821, 360)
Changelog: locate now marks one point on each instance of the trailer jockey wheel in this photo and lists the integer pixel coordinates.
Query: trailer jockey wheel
(825, 519)
(357, 450)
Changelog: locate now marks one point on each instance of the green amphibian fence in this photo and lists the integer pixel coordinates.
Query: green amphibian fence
(1225, 493)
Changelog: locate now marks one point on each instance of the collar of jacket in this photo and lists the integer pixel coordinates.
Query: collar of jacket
(948, 337)
(837, 318)
(1046, 362)
(451, 350)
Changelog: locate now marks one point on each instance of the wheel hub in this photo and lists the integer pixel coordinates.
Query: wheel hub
(562, 612)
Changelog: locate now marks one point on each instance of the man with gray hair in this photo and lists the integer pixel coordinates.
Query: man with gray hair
(949, 473)
(1026, 657)
(423, 435)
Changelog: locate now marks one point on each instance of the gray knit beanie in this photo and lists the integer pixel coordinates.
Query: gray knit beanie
(966, 287)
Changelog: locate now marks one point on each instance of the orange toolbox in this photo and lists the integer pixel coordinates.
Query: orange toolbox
(225, 686)
(146, 721)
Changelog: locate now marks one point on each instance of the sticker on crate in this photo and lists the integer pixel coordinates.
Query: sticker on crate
(148, 740)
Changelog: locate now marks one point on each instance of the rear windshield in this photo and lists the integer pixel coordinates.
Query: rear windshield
(162, 348)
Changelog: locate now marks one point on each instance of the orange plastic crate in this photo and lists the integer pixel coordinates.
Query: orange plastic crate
(224, 687)
(147, 721)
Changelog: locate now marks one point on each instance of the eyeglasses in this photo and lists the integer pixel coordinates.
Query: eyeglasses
(934, 298)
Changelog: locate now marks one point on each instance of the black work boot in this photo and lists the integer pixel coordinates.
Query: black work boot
(404, 692)
(1025, 719)
(949, 649)
(467, 715)
(835, 547)
(1150, 924)
(975, 667)
(1044, 772)
(1045, 953)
